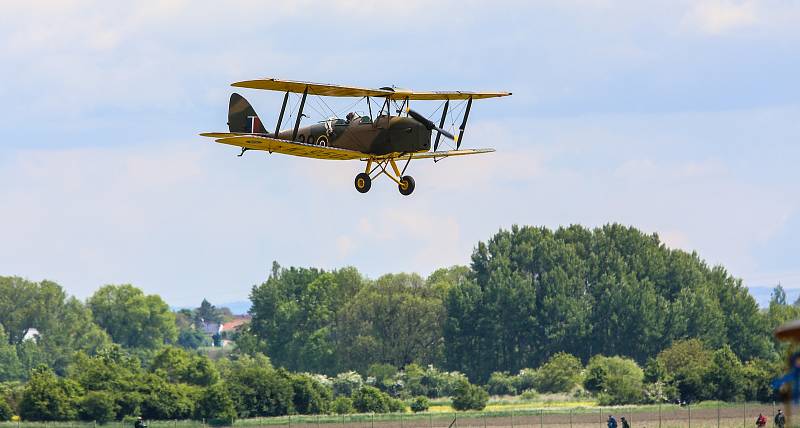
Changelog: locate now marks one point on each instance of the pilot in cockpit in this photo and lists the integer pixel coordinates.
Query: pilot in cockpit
(351, 116)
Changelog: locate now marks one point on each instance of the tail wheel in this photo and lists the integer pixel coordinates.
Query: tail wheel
(363, 182)
(406, 185)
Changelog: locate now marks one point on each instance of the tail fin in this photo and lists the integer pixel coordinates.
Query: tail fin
(242, 117)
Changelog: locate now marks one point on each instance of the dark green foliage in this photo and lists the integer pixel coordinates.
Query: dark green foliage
(501, 383)
(610, 290)
(758, 375)
(131, 318)
(686, 363)
(725, 376)
(420, 404)
(396, 405)
(469, 397)
(98, 406)
(257, 389)
(6, 412)
(384, 376)
(216, 403)
(164, 400)
(177, 365)
(559, 374)
(342, 406)
(49, 398)
(310, 397)
(370, 399)
(617, 380)
(191, 338)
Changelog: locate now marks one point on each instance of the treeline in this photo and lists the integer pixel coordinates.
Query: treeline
(528, 294)
(113, 384)
(612, 310)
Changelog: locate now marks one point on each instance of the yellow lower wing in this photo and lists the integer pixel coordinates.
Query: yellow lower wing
(294, 148)
(274, 145)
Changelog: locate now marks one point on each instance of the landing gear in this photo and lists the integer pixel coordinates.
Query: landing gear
(406, 185)
(363, 182)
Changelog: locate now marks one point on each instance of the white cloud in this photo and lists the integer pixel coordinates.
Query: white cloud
(722, 16)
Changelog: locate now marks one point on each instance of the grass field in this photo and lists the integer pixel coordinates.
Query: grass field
(500, 414)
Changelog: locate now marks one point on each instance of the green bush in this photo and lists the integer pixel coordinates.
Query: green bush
(420, 404)
(529, 394)
(216, 403)
(342, 406)
(396, 405)
(470, 397)
(617, 380)
(559, 374)
(310, 396)
(98, 406)
(49, 398)
(5, 410)
(346, 384)
(370, 399)
(501, 383)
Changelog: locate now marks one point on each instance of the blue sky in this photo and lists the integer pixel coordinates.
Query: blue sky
(678, 117)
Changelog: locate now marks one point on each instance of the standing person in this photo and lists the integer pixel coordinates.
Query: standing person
(780, 419)
(139, 423)
(761, 421)
(612, 423)
(625, 423)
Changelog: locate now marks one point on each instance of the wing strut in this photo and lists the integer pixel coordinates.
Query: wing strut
(464, 123)
(441, 125)
(300, 114)
(280, 118)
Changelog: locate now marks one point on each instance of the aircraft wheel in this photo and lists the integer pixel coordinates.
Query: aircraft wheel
(406, 185)
(363, 182)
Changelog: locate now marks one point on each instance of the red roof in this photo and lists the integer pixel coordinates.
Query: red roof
(232, 325)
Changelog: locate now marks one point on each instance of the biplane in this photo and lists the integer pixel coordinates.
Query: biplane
(381, 141)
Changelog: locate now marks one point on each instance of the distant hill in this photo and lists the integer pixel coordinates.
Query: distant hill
(240, 307)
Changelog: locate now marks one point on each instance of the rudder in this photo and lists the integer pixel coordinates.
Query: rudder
(242, 118)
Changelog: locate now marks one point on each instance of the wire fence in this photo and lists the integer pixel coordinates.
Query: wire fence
(705, 415)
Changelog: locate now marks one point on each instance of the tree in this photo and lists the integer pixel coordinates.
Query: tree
(216, 403)
(420, 403)
(501, 383)
(131, 318)
(207, 313)
(191, 338)
(6, 412)
(369, 399)
(98, 406)
(48, 398)
(395, 320)
(725, 376)
(256, 388)
(686, 363)
(617, 380)
(343, 406)
(310, 397)
(469, 397)
(559, 374)
(294, 312)
(177, 365)
(532, 292)
(10, 366)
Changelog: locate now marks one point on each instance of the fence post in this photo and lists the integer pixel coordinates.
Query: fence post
(401, 421)
(744, 415)
(689, 408)
(512, 418)
(484, 420)
(541, 418)
(570, 418)
(659, 414)
(317, 421)
(430, 421)
(290, 421)
(373, 420)
(718, 405)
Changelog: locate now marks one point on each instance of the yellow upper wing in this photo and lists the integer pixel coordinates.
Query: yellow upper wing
(328, 90)
(273, 145)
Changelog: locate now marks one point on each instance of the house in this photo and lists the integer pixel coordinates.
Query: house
(238, 321)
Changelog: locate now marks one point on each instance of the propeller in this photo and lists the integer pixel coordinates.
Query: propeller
(428, 124)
